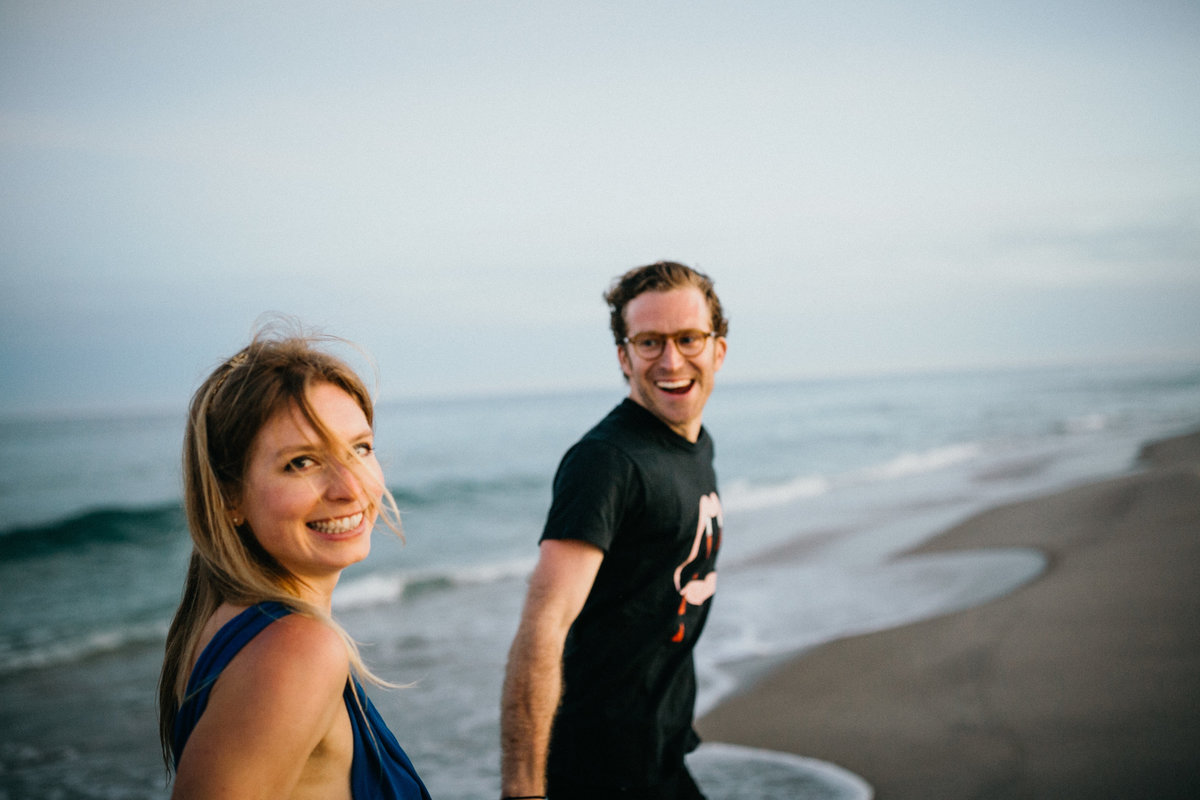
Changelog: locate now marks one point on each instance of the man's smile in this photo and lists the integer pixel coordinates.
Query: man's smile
(681, 386)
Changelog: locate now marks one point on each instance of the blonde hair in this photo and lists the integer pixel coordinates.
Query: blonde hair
(274, 372)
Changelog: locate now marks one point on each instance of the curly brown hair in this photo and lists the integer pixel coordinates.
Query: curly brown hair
(661, 276)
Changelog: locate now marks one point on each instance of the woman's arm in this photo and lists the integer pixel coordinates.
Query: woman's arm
(275, 719)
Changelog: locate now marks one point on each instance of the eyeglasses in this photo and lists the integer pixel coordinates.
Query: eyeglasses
(651, 345)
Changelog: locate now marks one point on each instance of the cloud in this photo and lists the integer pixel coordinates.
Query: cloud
(871, 185)
(1162, 251)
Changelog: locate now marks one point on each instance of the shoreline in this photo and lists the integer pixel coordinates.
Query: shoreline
(1082, 683)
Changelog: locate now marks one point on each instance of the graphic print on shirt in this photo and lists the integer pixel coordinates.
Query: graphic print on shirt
(696, 577)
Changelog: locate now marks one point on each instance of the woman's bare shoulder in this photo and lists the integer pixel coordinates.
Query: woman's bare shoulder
(276, 707)
(301, 647)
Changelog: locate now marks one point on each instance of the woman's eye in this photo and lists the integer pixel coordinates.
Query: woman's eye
(299, 463)
(363, 449)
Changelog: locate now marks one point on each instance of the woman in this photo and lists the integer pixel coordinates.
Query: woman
(259, 694)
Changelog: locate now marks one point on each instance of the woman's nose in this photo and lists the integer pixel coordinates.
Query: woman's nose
(341, 482)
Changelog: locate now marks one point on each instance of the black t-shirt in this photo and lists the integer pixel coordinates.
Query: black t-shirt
(648, 498)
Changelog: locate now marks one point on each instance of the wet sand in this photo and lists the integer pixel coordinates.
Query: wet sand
(1084, 683)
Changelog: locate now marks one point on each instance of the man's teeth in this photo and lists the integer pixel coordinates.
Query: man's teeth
(339, 525)
(670, 385)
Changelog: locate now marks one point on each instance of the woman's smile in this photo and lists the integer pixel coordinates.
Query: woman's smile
(337, 525)
(311, 503)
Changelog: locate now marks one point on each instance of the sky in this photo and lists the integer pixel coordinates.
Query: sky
(874, 186)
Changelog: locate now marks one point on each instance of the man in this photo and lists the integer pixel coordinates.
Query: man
(600, 688)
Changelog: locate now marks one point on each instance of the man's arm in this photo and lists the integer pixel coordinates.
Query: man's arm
(558, 588)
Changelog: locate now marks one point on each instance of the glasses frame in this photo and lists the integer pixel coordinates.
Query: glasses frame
(703, 336)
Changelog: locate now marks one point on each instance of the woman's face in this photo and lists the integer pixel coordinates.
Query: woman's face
(306, 508)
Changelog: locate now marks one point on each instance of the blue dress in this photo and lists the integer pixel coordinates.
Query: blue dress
(380, 769)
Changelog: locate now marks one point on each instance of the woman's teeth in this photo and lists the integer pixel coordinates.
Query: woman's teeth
(339, 525)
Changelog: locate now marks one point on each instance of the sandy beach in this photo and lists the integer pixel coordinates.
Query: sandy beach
(1084, 683)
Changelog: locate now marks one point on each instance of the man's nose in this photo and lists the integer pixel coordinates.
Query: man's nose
(671, 354)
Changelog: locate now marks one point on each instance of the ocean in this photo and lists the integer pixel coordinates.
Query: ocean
(825, 484)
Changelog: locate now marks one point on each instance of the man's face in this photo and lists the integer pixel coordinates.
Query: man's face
(672, 386)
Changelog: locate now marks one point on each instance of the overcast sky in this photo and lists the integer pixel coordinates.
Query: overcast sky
(873, 185)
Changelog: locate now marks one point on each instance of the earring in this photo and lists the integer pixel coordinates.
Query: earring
(236, 520)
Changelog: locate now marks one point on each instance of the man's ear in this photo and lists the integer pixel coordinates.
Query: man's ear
(623, 360)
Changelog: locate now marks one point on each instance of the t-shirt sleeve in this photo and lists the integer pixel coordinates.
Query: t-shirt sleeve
(592, 493)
